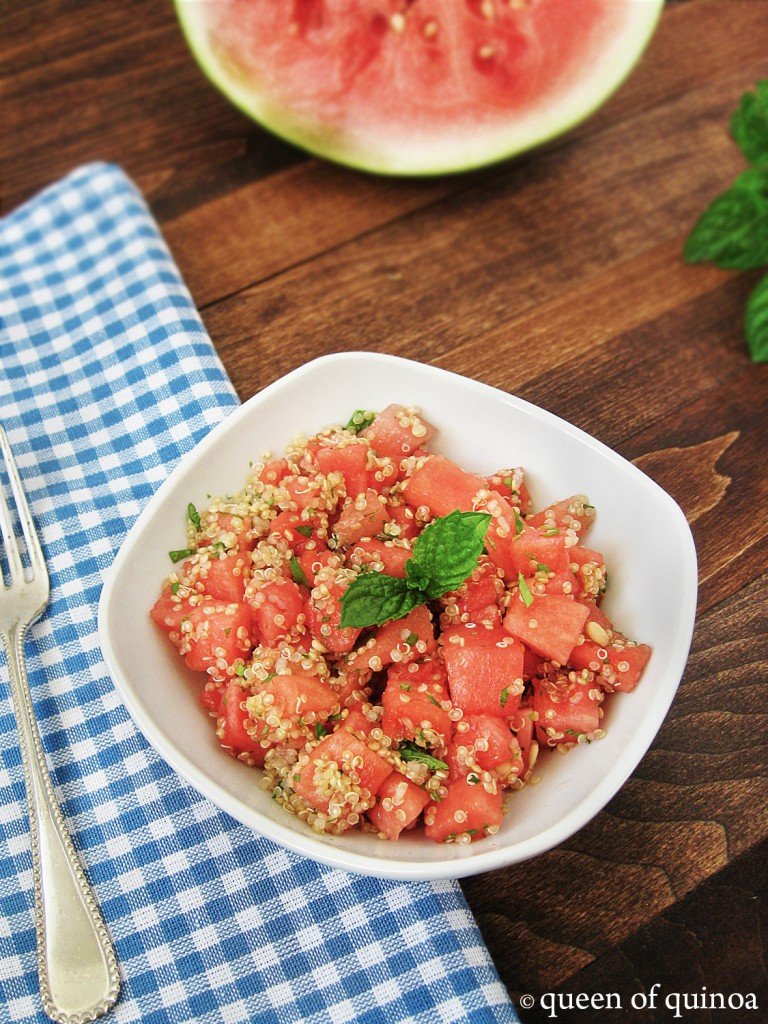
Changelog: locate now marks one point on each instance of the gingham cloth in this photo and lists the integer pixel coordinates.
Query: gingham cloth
(107, 378)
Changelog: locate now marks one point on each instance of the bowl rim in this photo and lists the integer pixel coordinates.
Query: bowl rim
(320, 849)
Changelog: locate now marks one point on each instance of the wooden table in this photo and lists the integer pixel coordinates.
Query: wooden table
(559, 278)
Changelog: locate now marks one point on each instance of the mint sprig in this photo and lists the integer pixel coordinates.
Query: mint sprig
(444, 555)
(733, 231)
(749, 125)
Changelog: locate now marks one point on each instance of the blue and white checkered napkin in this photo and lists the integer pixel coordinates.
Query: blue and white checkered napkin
(107, 378)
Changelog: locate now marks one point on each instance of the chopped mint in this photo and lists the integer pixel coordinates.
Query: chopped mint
(297, 572)
(193, 516)
(411, 752)
(359, 420)
(176, 556)
(525, 591)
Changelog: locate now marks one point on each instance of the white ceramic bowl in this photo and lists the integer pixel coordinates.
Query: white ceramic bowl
(641, 531)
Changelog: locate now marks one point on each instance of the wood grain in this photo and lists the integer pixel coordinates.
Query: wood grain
(710, 941)
(389, 289)
(558, 277)
(690, 474)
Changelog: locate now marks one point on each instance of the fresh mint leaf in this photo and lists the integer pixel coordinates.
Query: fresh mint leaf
(297, 573)
(359, 420)
(749, 125)
(733, 230)
(446, 552)
(411, 752)
(444, 555)
(305, 531)
(176, 556)
(756, 322)
(374, 598)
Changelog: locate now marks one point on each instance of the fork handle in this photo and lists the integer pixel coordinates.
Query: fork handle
(77, 967)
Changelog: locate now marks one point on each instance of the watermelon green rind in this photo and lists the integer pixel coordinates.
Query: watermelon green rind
(561, 113)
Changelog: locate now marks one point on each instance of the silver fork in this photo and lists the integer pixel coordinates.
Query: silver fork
(77, 967)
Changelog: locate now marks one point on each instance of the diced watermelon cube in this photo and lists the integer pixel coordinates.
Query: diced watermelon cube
(442, 487)
(414, 702)
(397, 432)
(317, 556)
(219, 633)
(211, 696)
(401, 640)
(323, 613)
(403, 517)
(351, 688)
(224, 578)
(511, 484)
(523, 550)
(232, 726)
(305, 492)
(591, 574)
(168, 611)
(273, 472)
(357, 721)
(483, 588)
(617, 665)
(347, 764)
(383, 556)
(551, 625)
(488, 742)
(363, 517)
(485, 680)
(351, 460)
(565, 710)
(398, 805)
(561, 583)
(276, 607)
(467, 809)
(233, 531)
(296, 530)
(300, 698)
(475, 634)
(571, 514)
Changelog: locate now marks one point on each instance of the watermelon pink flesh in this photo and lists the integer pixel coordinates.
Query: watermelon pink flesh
(382, 82)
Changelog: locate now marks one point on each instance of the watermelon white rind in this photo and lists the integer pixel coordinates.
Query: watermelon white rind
(371, 146)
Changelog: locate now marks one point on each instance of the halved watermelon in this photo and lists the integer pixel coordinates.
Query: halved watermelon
(417, 86)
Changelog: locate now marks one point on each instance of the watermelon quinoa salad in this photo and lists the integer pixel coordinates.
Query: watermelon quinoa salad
(391, 637)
